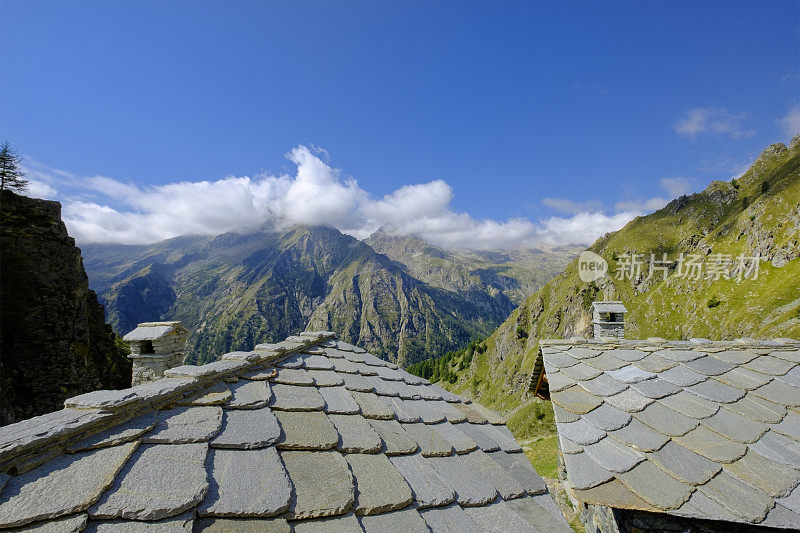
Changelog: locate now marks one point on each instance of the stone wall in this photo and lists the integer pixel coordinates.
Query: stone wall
(609, 329)
(53, 337)
(151, 368)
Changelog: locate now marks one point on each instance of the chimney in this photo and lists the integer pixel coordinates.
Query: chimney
(155, 348)
(608, 319)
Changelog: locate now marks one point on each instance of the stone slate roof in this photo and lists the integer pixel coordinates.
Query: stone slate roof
(609, 307)
(152, 331)
(307, 435)
(695, 428)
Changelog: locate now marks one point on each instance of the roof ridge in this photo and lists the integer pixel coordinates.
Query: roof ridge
(90, 413)
(775, 343)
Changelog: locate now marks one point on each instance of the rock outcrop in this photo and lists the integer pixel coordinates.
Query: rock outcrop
(54, 340)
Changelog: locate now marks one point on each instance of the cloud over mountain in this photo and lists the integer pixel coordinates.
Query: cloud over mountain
(102, 209)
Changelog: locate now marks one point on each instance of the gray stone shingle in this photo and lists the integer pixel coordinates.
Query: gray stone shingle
(372, 406)
(340, 524)
(665, 420)
(430, 442)
(293, 376)
(379, 486)
(773, 478)
(159, 481)
(356, 382)
(458, 439)
(246, 483)
(684, 464)
(450, 519)
(577, 400)
(296, 398)
(584, 472)
(339, 401)
(602, 385)
(737, 497)
(306, 430)
(250, 395)
(326, 378)
(690, 405)
(313, 499)
(614, 456)
(581, 432)
(709, 366)
(519, 467)
(481, 438)
(471, 488)
(682, 376)
(734, 426)
(712, 445)
(629, 400)
(405, 520)
(355, 434)
(607, 417)
(498, 517)
(247, 429)
(402, 411)
(507, 486)
(187, 424)
(656, 486)
(396, 440)
(427, 486)
(639, 436)
(119, 434)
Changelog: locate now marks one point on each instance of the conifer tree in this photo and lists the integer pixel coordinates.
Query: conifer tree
(11, 177)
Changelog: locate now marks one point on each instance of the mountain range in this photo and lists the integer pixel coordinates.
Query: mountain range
(399, 297)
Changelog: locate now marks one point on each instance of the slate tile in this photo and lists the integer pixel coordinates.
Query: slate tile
(681, 376)
(430, 442)
(306, 430)
(560, 360)
(581, 432)
(317, 362)
(792, 501)
(736, 357)
(427, 486)
(506, 485)
(579, 372)
(374, 360)
(502, 436)
(655, 388)
(655, 363)
(712, 445)
(354, 357)
(743, 378)
(568, 446)
(344, 366)
(246, 483)
(680, 356)
(260, 374)
(562, 415)
(406, 391)
(382, 387)
(789, 354)
(458, 439)
(656, 486)
(293, 376)
(218, 394)
(355, 434)
(65, 485)
(716, 391)
(766, 364)
(709, 366)
(777, 448)
(780, 516)
(250, 395)
(612, 493)
(576, 399)
(684, 464)
(405, 520)
(630, 374)
(296, 398)
(602, 385)
(326, 378)
(492, 417)
(445, 394)
(411, 379)
(340, 524)
(606, 361)
(119, 434)
(313, 499)
(356, 382)
(183, 523)
(481, 438)
(338, 400)
(402, 410)
(607, 417)
(737, 497)
(629, 355)
(583, 472)
(614, 456)
(791, 378)
(629, 400)
(366, 370)
(690, 404)
(780, 393)
(735, 427)
(425, 392)
(450, 519)
(293, 361)
(395, 438)
(701, 506)
(534, 511)
(247, 429)
(68, 524)
(471, 489)
(451, 413)
(773, 478)
(379, 486)
(372, 406)
(498, 517)
(558, 381)
(159, 481)
(758, 409)
(665, 420)
(519, 467)
(428, 411)
(639, 436)
(578, 352)
(186, 424)
(388, 374)
(473, 416)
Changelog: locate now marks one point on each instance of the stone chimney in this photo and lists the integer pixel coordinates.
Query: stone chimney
(155, 348)
(608, 319)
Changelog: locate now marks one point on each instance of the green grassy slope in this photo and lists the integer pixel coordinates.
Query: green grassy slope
(716, 221)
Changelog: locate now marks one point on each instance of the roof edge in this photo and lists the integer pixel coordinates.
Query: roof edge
(33, 441)
(613, 342)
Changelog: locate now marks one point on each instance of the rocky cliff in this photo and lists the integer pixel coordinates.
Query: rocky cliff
(54, 342)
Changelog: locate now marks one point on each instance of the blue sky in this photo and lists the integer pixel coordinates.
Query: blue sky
(588, 112)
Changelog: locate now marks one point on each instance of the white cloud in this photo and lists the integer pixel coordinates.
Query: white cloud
(677, 186)
(714, 120)
(790, 123)
(40, 189)
(102, 209)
